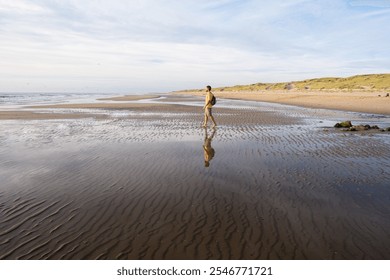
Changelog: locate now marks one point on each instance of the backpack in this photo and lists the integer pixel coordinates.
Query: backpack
(213, 100)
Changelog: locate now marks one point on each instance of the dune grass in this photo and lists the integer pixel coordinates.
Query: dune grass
(370, 82)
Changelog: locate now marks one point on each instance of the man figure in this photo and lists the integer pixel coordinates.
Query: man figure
(209, 151)
(207, 108)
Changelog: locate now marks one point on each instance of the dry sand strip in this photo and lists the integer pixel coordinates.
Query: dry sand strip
(130, 98)
(365, 102)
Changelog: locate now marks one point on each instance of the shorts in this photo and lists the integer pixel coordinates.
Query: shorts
(208, 112)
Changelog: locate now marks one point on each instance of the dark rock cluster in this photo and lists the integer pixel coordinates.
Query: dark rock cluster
(348, 126)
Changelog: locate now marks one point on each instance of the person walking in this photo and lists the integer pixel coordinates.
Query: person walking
(208, 108)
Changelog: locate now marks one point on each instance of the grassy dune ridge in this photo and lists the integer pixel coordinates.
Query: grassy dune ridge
(369, 82)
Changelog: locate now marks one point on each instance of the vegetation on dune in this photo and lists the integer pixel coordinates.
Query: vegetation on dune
(370, 82)
(359, 82)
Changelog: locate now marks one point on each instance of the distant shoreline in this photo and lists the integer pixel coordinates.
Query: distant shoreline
(363, 102)
(355, 101)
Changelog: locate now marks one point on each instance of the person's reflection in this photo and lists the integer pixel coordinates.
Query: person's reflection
(209, 151)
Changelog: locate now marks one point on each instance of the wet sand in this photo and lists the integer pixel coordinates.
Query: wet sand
(282, 184)
(130, 97)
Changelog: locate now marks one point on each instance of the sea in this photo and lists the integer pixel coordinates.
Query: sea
(14, 100)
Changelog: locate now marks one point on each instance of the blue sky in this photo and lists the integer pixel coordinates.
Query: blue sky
(163, 45)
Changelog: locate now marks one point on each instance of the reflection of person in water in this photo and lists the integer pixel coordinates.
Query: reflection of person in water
(209, 151)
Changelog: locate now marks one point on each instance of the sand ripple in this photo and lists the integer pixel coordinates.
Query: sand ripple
(280, 186)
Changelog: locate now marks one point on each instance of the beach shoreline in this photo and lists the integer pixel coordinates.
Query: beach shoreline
(357, 101)
(360, 101)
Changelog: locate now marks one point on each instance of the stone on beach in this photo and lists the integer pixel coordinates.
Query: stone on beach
(345, 124)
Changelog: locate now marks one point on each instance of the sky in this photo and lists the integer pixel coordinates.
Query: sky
(137, 46)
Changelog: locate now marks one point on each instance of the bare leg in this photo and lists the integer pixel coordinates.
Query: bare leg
(212, 118)
(205, 120)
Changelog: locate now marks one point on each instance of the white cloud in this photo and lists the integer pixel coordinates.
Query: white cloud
(371, 3)
(164, 45)
(21, 7)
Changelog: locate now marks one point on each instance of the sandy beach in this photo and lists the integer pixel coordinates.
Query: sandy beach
(354, 101)
(125, 178)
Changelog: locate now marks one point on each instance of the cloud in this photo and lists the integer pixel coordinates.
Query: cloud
(21, 7)
(164, 45)
(371, 3)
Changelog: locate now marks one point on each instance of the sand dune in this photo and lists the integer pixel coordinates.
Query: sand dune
(281, 185)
